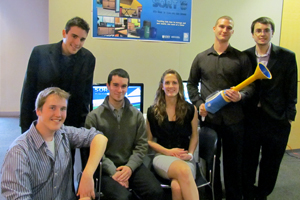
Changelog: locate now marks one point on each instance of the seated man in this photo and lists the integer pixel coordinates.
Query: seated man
(124, 126)
(38, 164)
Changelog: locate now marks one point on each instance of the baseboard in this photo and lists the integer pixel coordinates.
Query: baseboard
(293, 150)
(9, 114)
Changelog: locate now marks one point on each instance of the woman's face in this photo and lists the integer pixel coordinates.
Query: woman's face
(170, 85)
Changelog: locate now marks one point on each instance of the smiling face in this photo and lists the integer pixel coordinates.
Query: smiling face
(170, 85)
(73, 40)
(223, 30)
(51, 115)
(262, 34)
(117, 89)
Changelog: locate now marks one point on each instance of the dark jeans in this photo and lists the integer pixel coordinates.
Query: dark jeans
(142, 182)
(230, 140)
(268, 136)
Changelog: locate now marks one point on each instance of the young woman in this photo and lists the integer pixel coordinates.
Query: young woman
(173, 122)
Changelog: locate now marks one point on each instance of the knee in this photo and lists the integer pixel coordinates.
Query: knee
(124, 196)
(183, 172)
(157, 194)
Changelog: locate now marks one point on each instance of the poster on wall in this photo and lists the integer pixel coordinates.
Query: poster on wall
(151, 20)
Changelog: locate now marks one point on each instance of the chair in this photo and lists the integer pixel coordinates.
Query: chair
(205, 168)
(207, 153)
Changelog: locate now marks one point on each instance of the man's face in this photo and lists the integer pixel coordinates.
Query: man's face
(117, 88)
(52, 115)
(223, 30)
(262, 33)
(73, 40)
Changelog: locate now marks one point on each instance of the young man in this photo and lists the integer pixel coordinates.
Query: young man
(221, 67)
(66, 65)
(38, 164)
(269, 112)
(124, 126)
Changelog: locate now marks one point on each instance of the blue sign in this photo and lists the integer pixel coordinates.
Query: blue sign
(151, 20)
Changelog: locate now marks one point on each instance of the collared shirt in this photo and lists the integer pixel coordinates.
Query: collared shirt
(219, 72)
(117, 113)
(263, 58)
(30, 171)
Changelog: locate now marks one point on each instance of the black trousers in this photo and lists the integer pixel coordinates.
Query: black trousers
(269, 137)
(230, 140)
(142, 182)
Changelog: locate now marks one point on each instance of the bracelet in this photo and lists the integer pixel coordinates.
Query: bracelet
(191, 157)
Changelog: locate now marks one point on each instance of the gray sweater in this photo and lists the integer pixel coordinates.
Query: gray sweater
(127, 139)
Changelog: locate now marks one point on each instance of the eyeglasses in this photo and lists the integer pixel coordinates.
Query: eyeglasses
(260, 31)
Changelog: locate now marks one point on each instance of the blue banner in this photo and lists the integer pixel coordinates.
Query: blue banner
(151, 20)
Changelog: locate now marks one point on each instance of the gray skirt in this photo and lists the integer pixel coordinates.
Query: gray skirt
(161, 164)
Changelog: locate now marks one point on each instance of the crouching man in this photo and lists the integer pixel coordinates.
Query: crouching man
(38, 164)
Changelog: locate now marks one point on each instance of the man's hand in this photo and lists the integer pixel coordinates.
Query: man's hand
(122, 175)
(86, 186)
(233, 95)
(202, 110)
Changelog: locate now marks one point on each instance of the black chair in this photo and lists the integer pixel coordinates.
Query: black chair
(207, 155)
(205, 168)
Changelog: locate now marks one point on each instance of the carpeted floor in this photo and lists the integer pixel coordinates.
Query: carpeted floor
(288, 182)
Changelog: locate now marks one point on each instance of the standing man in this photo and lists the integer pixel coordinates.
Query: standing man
(222, 67)
(269, 112)
(124, 126)
(38, 163)
(65, 64)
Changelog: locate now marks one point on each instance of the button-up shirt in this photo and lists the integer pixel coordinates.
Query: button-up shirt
(31, 171)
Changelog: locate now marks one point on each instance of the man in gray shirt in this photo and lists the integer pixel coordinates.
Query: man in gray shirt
(124, 126)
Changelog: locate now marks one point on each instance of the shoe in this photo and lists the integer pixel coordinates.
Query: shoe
(261, 198)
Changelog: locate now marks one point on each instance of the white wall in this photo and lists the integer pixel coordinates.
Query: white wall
(23, 25)
(27, 22)
(146, 61)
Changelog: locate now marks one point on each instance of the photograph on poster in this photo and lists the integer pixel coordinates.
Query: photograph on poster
(156, 20)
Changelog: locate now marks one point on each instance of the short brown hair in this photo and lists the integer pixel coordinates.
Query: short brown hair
(263, 20)
(224, 17)
(77, 21)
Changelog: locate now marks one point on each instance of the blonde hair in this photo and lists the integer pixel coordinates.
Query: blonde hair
(42, 96)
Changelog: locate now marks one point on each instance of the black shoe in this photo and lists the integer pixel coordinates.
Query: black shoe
(261, 198)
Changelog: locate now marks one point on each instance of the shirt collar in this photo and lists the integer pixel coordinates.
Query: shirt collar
(213, 51)
(265, 55)
(113, 108)
(38, 139)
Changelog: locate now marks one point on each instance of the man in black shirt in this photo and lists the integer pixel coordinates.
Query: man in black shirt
(218, 68)
(66, 65)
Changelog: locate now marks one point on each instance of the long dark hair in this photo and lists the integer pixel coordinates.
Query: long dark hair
(159, 104)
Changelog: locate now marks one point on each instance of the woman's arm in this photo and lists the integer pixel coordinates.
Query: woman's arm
(194, 136)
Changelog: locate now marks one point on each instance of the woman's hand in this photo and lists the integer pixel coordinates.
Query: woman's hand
(177, 152)
(186, 157)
